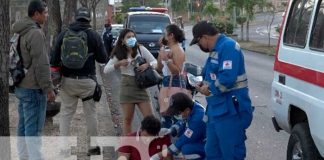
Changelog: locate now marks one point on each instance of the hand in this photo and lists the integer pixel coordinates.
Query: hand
(155, 157)
(203, 89)
(51, 96)
(143, 67)
(165, 55)
(123, 62)
(164, 131)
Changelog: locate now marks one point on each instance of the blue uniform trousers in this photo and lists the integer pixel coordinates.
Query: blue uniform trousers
(194, 151)
(226, 136)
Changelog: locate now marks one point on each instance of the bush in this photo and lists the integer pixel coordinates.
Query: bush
(224, 27)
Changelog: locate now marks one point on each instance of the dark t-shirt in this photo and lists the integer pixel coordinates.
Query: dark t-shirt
(137, 150)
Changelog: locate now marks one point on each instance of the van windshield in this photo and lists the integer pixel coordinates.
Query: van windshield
(149, 24)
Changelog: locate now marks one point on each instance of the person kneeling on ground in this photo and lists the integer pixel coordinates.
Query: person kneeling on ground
(190, 129)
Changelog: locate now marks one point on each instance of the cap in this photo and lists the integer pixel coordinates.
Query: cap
(83, 13)
(178, 102)
(202, 28)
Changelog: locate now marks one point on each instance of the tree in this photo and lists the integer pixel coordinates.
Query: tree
(55, 19)
(210, 10)
(178, 6)
(249, 6)
(69, 10)
(271, 8)
(241, 19)
(91, 4)
(4, 84)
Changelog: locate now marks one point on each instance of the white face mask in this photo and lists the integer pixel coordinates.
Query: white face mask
(179, 117)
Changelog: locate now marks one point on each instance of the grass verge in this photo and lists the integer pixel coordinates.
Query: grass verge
(258, 47)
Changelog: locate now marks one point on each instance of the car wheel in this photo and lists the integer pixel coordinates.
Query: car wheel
(301, 145)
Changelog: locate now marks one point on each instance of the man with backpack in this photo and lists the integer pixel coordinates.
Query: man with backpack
(76, 51)
(34, 87)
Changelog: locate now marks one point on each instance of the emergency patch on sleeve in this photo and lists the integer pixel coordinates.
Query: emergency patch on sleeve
(188, 133)
(227, 64)
(237, 46)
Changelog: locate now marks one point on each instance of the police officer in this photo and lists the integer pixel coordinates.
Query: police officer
(190, 128)
(229, 110)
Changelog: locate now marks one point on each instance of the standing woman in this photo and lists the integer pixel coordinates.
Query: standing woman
(123, 57)
(171, 62)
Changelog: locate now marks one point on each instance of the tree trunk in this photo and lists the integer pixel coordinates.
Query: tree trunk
(55, 18)
(70, 8)
(247, 30)
(94, 19)
(242, 32)
(46, 30)
(269, 29)
(4, 84)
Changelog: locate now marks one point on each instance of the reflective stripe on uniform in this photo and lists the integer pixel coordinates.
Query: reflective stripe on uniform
(173, 149)
(192, 156)
(241, 82)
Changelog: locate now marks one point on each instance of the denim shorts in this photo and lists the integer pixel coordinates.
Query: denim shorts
(177, 81)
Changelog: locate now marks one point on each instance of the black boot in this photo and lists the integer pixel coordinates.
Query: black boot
(94, 151)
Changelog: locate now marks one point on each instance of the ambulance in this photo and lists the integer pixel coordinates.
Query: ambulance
(297, 96)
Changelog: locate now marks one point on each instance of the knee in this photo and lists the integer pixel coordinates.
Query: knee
(128, 120)
(190, 152)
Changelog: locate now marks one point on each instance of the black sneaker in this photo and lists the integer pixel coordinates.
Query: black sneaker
(94, 151)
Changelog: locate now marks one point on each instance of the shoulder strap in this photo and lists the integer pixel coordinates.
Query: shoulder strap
(139, 50)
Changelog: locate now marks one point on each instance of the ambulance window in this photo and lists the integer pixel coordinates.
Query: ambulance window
(317, 37)
(298, 23)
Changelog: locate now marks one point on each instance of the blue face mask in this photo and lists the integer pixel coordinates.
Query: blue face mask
(130, 42)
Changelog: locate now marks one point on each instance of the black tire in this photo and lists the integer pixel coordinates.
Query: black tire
(301, 145)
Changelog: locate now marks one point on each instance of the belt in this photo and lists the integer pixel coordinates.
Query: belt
(80, 77)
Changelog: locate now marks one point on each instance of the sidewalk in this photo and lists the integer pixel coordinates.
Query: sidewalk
(78, 129)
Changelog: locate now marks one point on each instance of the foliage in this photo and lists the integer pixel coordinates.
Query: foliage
(210, 9)
(179, 5)
(224, 26)
(118, 18)
(241, 20)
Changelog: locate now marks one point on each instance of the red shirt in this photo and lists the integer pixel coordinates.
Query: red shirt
(137, 150)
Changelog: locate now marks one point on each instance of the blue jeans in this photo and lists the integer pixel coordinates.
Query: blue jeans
(32, 113)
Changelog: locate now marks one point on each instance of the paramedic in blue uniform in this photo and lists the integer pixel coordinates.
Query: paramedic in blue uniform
(229, 110)
(190, 128)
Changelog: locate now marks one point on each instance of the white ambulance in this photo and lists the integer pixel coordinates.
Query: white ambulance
(297, 95)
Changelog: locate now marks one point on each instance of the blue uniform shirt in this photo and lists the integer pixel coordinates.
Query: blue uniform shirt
(193, 131)
(224, 72)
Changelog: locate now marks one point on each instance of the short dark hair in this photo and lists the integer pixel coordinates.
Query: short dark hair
(36, 6)
(176, 31)
(178, 103)
(151, 125)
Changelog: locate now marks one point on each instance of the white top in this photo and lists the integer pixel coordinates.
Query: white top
(129, 69)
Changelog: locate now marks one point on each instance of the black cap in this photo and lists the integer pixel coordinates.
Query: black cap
(83, 13)
(178, 102)
(202, 28)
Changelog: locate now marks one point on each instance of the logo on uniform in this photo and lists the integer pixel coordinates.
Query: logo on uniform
(227, 64)
(188, 133)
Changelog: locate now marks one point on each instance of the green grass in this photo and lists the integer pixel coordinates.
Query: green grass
(257, 47)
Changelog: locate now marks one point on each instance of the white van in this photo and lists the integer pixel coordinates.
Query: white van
(297, 95)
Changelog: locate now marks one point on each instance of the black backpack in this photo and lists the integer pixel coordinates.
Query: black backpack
(74, 49)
